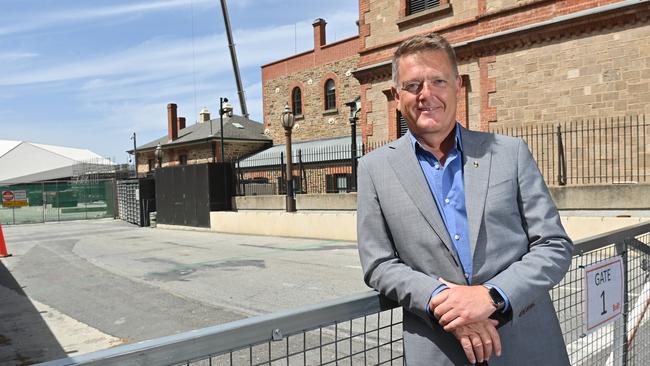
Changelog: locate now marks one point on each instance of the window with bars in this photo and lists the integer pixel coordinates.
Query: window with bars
(182, 159)
(402, 126)
(296, 101)
(330, 95)
(416, 6)
(152, 164)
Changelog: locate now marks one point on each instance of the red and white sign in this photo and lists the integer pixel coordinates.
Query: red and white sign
(14, 198)
(7, 196)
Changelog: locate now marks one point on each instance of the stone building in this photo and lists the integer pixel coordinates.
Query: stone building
(200, 142)
(316, 85)
(522, 61)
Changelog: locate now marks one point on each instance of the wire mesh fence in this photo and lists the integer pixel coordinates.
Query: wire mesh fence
(59, 201)
(366, 329)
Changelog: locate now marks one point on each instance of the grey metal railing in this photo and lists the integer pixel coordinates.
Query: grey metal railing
(365, 329)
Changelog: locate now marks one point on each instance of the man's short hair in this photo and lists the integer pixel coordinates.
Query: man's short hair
(422, 43)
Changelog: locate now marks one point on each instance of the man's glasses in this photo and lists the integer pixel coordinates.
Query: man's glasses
(416, 86)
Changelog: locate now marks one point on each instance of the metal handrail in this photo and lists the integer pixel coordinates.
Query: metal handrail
(201, 343)
(231, 336)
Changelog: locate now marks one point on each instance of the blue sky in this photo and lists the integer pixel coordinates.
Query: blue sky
(89, 73)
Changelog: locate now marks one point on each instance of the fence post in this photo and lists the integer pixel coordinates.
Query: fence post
(620, 343)
(561, 177)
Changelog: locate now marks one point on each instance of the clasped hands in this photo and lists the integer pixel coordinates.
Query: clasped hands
(464, 311)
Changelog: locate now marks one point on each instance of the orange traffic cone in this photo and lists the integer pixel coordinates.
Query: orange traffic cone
(3, 246)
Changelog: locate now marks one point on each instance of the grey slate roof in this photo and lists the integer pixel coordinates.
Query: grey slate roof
(252, 131)
(314, 151)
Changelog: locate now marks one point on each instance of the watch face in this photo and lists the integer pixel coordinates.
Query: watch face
(497, 299)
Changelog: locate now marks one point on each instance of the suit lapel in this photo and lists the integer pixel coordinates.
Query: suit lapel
(408, 170)
(476, 174)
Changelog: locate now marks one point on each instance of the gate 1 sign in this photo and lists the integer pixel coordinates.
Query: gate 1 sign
(603, 286)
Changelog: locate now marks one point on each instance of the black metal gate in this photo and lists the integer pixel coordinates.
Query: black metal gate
(186, 194)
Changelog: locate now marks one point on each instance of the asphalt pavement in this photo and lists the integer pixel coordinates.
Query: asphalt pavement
(76, 287)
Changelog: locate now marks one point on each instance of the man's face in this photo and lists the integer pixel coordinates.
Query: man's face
(427, 92)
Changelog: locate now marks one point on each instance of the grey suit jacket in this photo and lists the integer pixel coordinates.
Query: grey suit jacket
(516, 237)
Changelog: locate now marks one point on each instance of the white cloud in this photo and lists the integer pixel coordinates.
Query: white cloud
(16, 56)
(83, 15)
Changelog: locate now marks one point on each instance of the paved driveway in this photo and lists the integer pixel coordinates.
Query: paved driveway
(87, 285)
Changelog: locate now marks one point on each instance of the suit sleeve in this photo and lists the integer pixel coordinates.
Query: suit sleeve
(549, 248)
(383, 269)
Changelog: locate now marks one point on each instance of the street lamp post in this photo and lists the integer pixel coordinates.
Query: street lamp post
(159, 155)
(287, 123)
(355, 108)
(135, 155)
(224, 108)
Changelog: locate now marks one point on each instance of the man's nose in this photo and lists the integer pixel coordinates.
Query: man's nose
(427, 90)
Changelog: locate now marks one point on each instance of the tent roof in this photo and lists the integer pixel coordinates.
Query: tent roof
(23, 162)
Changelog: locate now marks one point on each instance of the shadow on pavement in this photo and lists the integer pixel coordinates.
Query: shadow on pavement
(25, 337)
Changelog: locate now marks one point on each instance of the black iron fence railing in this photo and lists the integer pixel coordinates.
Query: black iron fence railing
(590, 151)
(315, 170)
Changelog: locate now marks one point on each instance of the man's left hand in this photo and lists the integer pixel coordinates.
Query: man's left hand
(461, 305)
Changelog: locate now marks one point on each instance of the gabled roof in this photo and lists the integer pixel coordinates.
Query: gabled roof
(234, 128)
(314, 151)
(24, 162)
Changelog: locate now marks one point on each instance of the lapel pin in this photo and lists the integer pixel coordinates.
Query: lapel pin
(476, 164)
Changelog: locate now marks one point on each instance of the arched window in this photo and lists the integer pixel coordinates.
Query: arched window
(330, 95)
(296, 101)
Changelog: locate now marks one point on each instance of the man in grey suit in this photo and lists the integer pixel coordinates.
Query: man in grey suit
(459, 228)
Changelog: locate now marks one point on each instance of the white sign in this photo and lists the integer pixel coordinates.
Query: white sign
(603, 286)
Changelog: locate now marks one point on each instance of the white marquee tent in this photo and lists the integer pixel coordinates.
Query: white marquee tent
(24, 162)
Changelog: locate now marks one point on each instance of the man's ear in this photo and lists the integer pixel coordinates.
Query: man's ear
(395, 94)
(459, 85)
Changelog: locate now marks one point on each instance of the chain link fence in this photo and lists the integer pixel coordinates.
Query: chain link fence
(58, 201)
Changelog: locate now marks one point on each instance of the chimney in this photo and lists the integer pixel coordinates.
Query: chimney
(172, 127)
(204, 116)
(319, 33)
(181, 123)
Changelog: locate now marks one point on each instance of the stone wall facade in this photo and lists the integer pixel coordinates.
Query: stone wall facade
(315, 122)
(603, 74)
(579, 66)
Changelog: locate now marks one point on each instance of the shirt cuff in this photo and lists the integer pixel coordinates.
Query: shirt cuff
(503, 294)
(435, 292)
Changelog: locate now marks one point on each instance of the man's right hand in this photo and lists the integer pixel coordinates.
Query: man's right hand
(479, 340)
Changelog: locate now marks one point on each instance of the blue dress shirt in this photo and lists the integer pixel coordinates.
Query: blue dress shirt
(448, 189)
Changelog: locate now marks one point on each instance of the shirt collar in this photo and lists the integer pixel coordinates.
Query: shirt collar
(458, 142)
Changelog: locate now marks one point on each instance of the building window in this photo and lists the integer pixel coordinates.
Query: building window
(330, 95)
(152, 164)
(182, 159)
(297, 185)
(338, 183)
(402, 126)
(296, 101)
(416, 6)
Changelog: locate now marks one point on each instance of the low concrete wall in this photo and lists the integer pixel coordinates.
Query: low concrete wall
(342, 225)
(596, 197)
(320, 202)
(603, 197)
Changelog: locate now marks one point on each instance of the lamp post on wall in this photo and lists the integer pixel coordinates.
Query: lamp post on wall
(355, 108)
(287, 123)
(224, 108)
(159, 155)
